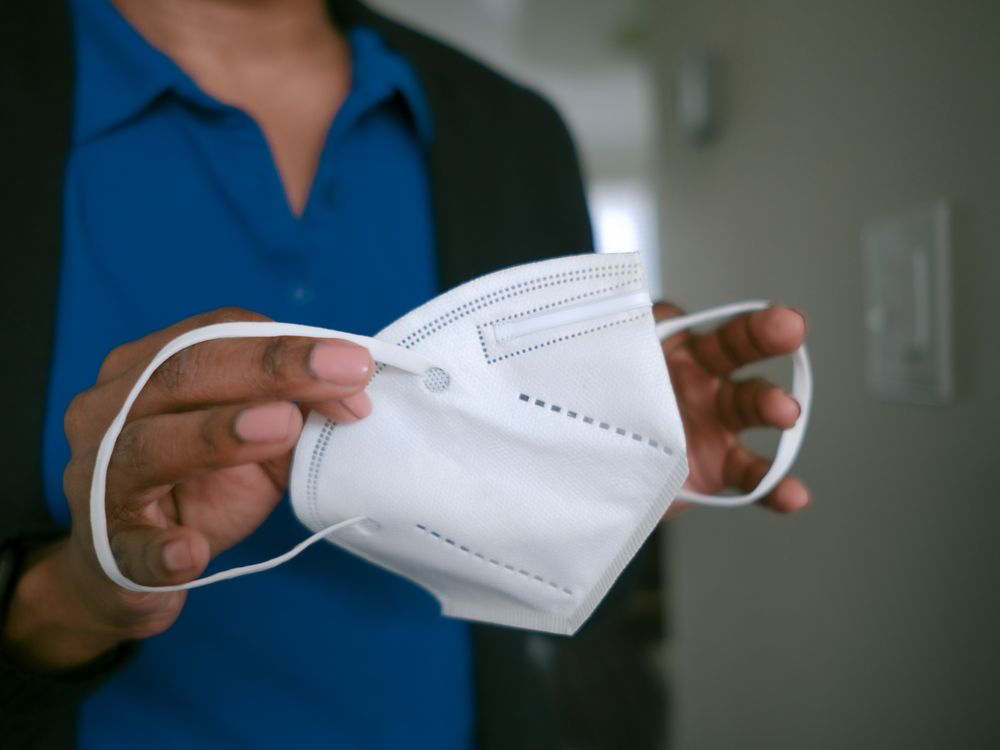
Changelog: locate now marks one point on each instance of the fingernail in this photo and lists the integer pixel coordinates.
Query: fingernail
(359, 404)
(788, 410)
(267, 423)
(340, 363)
(177, 556)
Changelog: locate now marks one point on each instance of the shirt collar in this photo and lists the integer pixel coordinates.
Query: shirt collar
(378, 73)
(119, 74)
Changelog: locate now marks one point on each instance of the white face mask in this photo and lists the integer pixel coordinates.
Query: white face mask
(525, 442)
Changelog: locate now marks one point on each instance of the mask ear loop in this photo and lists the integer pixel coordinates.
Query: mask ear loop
(791, 439)
(381, 351)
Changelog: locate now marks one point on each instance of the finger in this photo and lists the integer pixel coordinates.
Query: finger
(229, 372)
(750, 338)
(789, 496)
(744, 470)
(665, 311)
(755, 403)
(160, 557)
(343, 411)
(165, 449)
(123, 358)
(234, 371)
(240, 370)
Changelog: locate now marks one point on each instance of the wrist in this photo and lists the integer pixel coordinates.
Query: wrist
(50, 625)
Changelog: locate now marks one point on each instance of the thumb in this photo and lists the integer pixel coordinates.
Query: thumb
(160, 557)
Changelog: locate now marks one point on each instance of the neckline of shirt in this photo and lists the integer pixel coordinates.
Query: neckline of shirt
(120, 75)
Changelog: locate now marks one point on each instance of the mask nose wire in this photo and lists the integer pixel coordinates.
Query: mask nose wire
(791, 439)
(381, 351)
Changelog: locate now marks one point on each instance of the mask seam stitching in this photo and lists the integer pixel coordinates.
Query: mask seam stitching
(556, 340)
(499, 564)
(514, 290)
(312, 477)
(564, 301)
(631, 271)
(588, 420)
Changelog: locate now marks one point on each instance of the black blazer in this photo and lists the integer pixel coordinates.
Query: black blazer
(506, 189)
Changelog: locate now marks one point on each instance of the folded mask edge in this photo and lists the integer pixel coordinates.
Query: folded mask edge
(568, 625)
(510, 275)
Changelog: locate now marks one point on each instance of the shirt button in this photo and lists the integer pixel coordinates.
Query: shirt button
(330, 195)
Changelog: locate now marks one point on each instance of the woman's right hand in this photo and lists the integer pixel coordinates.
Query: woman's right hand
(203, 459)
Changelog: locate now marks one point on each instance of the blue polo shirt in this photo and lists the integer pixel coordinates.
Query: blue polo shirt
(173, 206)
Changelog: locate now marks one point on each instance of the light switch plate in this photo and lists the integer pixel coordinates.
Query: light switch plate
(908, 316)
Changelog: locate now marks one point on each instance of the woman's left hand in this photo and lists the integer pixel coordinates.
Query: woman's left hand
(715, 407)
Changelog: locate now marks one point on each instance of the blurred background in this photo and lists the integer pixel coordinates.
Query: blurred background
(843, 158)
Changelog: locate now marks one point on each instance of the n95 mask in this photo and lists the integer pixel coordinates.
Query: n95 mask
(525, 441)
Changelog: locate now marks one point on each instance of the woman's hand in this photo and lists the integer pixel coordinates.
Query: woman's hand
(715, 408)
(202, 461)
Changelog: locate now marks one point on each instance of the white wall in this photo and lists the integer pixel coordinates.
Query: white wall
(872, 619)
(572, 51)
(585, 56)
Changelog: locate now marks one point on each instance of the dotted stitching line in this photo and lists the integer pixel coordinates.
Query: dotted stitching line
(566, 277)
(492, 561)
(620, 431)
(312, 478)
(567, 337)
(575, 298)
(457, 313)
(487, 300)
